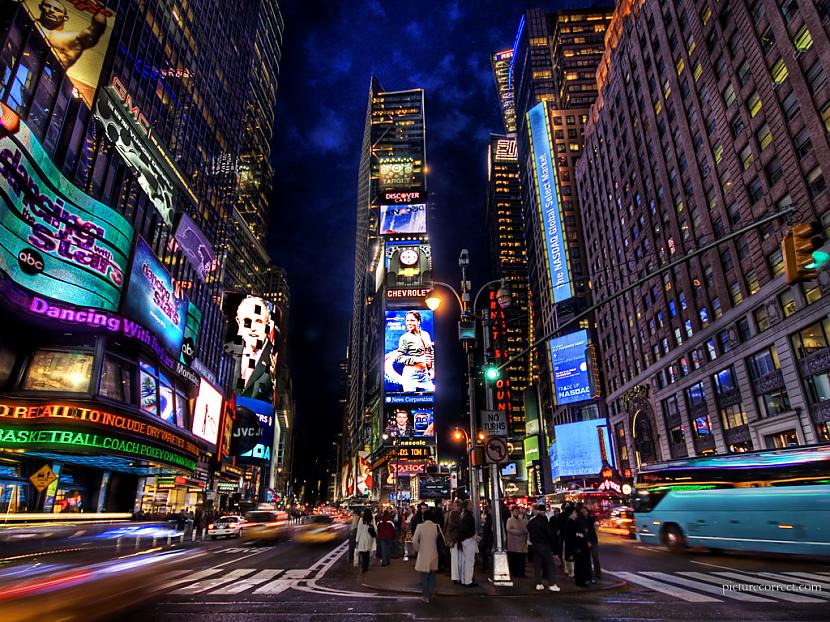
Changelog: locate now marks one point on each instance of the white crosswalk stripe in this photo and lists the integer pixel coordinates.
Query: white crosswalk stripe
(210, 584)
(665, 588)
(275, 587)
(190, 577)
(795, 598)
(709, 589)
(248, 583)
(807, 578)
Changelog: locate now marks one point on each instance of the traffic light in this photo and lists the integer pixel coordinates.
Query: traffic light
(491, 372)
(799, 248)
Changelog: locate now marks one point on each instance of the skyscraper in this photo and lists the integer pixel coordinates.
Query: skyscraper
(393, 262)
(711, 116)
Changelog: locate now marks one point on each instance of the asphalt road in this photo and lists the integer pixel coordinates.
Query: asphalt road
(298, 583)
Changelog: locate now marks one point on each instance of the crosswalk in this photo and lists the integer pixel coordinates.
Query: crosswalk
(728, 585)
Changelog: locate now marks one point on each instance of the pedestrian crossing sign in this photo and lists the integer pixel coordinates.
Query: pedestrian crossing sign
(42, 478)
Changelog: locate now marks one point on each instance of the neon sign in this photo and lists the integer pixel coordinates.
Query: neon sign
(54, 239)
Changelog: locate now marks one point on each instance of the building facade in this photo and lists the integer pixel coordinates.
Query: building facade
(710, 117)
(112, 332)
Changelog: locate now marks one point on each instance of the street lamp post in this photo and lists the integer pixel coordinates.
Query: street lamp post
(467, 334)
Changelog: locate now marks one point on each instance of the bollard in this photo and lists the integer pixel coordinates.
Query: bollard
(118, 544)
(169, 539)
(155, 538)
(137, 542)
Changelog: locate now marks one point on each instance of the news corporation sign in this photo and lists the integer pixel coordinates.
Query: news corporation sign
(55, 239)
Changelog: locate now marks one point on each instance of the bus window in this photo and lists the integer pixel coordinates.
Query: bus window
(646, 500)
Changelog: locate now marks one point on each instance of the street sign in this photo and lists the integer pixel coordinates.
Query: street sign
(42, 478)
(495, 450)
(494, 422)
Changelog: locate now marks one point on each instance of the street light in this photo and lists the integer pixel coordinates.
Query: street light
(467, 335)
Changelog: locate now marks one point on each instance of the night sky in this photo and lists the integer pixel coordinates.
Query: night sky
(331, 48)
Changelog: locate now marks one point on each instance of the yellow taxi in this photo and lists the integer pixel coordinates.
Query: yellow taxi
(319, 529)
(264, 526)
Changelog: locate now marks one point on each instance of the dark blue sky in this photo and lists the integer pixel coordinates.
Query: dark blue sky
(330, 50)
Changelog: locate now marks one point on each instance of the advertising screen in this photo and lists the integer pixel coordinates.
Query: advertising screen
(410, 218)
(195, 246)
(544, 171)
(264, 411)
(192, 324)
(78, 31)
(409, 365)
(413, 422)
(570, 367)
(251, 339)
(54, 239)
(408, 264)
(580, 448)
(396, 172)
(151, 298)
(364, 473)
(207, 412)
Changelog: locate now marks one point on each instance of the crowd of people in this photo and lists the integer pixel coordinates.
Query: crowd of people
(444, 537)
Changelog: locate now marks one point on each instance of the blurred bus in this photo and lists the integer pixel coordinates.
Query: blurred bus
(769, 501)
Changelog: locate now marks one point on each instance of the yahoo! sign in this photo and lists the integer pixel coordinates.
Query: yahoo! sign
(54, 239)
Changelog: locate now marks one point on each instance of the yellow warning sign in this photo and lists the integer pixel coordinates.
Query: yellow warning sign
(43, 477)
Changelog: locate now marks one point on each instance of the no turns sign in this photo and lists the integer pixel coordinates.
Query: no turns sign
(495, 450)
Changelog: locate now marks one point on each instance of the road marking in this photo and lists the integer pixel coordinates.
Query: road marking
(795, 598)
(301, 573)
(276, 586)
(711, 589)
(714, 565)
(193, 577)
(209, 584)
(692, 597)
(250, 582)
(239, 559)
(807, 577)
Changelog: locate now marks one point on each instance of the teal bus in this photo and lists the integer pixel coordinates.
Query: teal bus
(768, 502)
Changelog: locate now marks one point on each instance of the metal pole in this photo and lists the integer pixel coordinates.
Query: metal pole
(501, 569)
(471, 396)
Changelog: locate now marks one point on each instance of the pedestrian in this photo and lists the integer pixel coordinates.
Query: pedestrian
(425, 544)
(588, 526)
(566, 535)
(353, 534)
(516, 543)
(555, 536)
(386, 537)
(451, 528)
(365, 540)
(539, 531)
(418, 517)
(468, 546)
(485, 548)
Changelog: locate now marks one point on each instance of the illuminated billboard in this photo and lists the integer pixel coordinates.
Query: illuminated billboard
(408, 421)
(570, 367)
(408, 263)
(411, 218)
(78, 31)
(404, 197)
(504, 149)
(396, 172)
(192, 324)
(251, 340)
(207, 412)
(544, 172)
(151, 298)
(580, 448)
(364, 473)
(264, 412)
(195, 247)
(409, 365)
(54, 239)
(129, 131)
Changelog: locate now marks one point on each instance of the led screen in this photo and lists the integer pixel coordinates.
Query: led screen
(570, 367)
(207, 412)
(79, 33)
(580, 448)
(409, 365)
(54, 239)
(544, 171)
(152, 301)
(264, 411)
(251, 340)
(364, 473)
(195, 247)
(403, 218)
(410, 422)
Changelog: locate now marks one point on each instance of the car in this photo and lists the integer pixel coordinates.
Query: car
(228, 526)
(620, 522)
(264, 526)
(319, 529)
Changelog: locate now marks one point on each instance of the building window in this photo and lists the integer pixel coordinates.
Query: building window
(811, 339)
(756, 189)
(735, 294)
(787, 300)
(746, 156)
(812, 292)
(732, 416)
(761, 319)
(116, 380)
(803, 145)
(729, 95)
(59, 370)
(671, 408)
(754, 104)
(775, 402)
(773, 171)
(779, 71)
(782, 440)
(815, 182)
(815, 77)
(818, 388)
(790, 106)
(763, 363)
(725, 382)
(802, 40)
(763, 136)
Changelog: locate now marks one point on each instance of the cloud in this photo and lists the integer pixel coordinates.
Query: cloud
(330, 133)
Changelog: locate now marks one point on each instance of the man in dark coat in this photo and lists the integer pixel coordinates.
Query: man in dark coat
(581, 546)
(538, 531)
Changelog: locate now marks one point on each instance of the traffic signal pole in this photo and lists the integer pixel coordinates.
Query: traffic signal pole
(640, 282)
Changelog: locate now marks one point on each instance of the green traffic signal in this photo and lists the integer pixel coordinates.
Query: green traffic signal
(819, 259)
(491, 372)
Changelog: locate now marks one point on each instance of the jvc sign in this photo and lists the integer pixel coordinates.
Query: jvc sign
(494, 422)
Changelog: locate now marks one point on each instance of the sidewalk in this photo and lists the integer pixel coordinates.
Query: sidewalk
(400, 576)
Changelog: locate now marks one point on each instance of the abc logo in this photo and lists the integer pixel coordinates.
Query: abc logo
(188, 350)
(30, 261)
